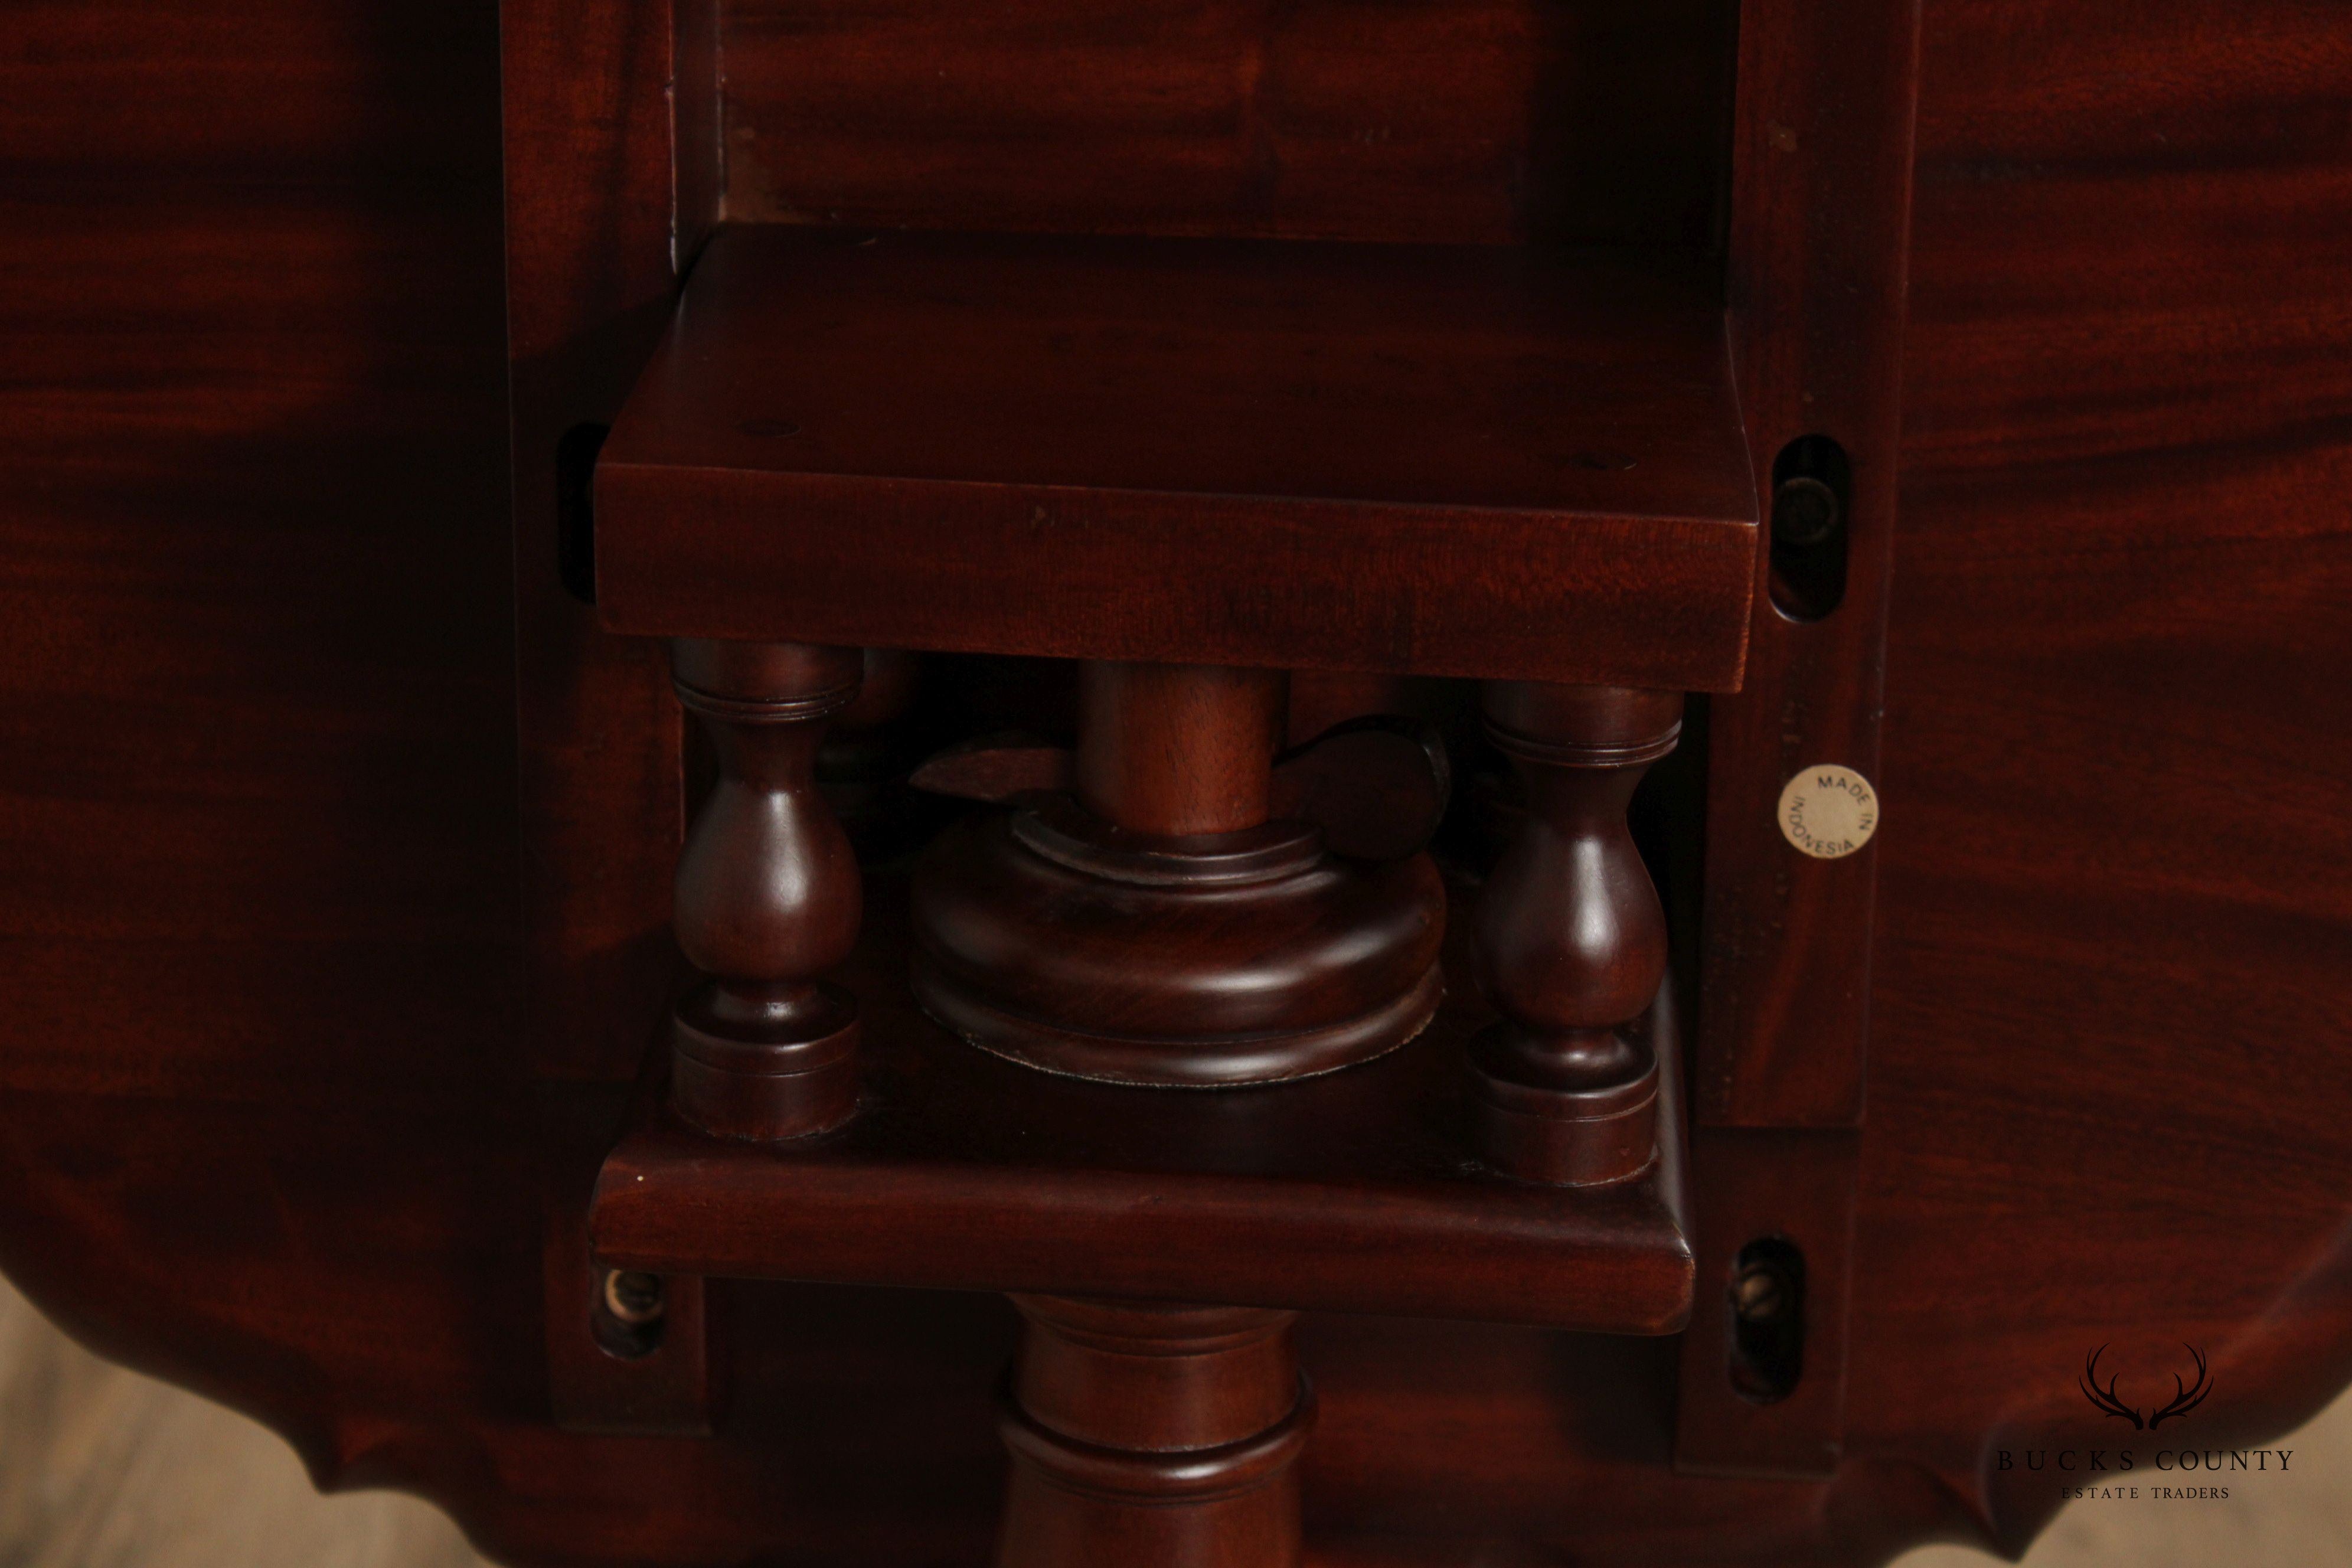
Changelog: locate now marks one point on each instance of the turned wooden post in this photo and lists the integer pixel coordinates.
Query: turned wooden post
(1571, 941)
(767, 897)
(1178, 749)
(1153, 1437)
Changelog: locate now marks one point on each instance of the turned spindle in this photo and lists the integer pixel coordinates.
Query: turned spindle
(1178, 749)
(1153, 1437)
(767, 897)
(1571, 941)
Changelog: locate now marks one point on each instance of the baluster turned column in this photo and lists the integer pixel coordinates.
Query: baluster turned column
(1571, 941)
(769, 897)
(1153, 1435)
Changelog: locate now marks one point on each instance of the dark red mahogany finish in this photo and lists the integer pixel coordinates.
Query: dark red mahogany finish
(1178, 749)
(1147, 1434)
(279, 686)
(1348, 1191)
(767, 899)
(1487, 122)
(1159, 928)
(1376, 784)
(1456, 461)
(1571, 940)
(1820, 215)
(1045, 934)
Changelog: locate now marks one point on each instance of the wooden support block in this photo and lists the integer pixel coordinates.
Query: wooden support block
(1462, 461)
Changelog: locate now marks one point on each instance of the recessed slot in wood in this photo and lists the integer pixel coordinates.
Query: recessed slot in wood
(1812, 489)
(1768, 1320)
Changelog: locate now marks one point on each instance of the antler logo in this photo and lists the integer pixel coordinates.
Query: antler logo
(2184, 1398)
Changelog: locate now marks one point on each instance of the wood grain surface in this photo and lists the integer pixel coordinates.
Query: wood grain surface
(262, 1126)
(100, 1468)
(1467, 460)
(1473, 121)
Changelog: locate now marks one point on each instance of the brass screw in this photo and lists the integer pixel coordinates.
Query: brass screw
(633, 1297)
(1760, 1294)
(1804, 511)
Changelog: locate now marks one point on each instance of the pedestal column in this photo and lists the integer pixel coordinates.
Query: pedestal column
(1153, 1437)
(1178, 749)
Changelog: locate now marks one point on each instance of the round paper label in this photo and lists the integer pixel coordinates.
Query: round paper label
(1829, 812)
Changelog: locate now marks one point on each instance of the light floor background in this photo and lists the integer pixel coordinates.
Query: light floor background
(100, 1468)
